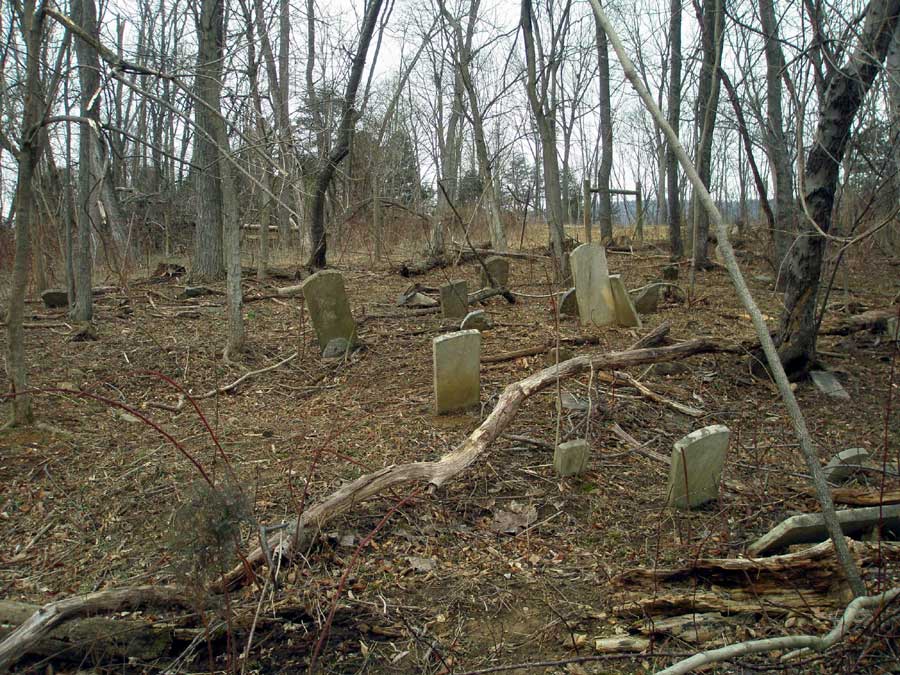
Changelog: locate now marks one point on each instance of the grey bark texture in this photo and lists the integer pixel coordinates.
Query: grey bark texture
(604, 103)
(673, 215)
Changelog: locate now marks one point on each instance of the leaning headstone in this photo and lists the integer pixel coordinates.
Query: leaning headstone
(828, 384)
(571, 458)
(670, 272)
(626, 315)
(647, 300)
(336, 348)
(696, 469)
(329, 310)
(844, 464)
(477, 320)
(457, 371)
(593, 291)
(499, 269)
(454, 300)
(893, 329)
(810, 528)
(568, 303)
(54, 298)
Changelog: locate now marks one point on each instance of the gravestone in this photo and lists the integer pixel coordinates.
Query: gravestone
(696, 469)
(499, 269)
(454, 300)
(336, 348)
(568, 303)
(571, 458)
(329, 310)
(54, 298)
(457, 371)
(828, 384)
(477, 320)
(555, 356)
(893, 329)
(593, 291)
(670, 272)
(647, 300)
(844, 464)
(625, 312)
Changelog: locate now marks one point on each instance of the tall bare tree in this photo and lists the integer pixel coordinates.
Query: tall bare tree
(676, 247)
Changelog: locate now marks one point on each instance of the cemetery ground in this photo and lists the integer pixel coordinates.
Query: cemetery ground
(506, 563)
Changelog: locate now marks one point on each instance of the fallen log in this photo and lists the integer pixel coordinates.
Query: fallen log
(435, 473)
(875, 320)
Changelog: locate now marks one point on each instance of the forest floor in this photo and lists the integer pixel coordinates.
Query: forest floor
(505, 564)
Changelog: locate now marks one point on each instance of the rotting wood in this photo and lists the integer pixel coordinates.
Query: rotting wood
(858, 496)
(40, 624)
(874, 320)
(436, 473)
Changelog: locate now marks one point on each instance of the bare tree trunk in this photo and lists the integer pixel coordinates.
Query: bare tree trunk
(777, 146)
(604, 103)
(893, 81)
(843, 97)
(676, 247)
(342, 147)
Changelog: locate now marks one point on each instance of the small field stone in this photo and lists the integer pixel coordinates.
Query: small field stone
(499, 269)
(477, 320)
(454, 300)
(594, 293)
(696, 469)
(571, 458)
(336, 349)
(568, 303)
(809, 528)
(844, 464)
(626, 315)
(55, 298)
(828, 384)
(647, 300)
(329, 310)
(457, 371)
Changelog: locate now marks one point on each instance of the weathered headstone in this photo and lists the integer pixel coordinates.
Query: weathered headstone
(568, 303)
(499, 269)
(329, 310)
(893, 329)
(670, 272)
(828, 384)
(626, 315)
(457, 371)
(454, 300)
(696, 469)
(555, 356)
(593, 291)
(336, 348)
(845, 464)
(477, 320)
(54, 298)
(810, 528)
(571, 458)
(646, 301)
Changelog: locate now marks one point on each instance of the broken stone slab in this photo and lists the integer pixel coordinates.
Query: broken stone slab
(499, 269)
(568, 303)
(646, 301)
(477, 320)
(844, 464)
(55, 298)
(696, 469)
(454, 300)
(457, 371)
(571, 457)
(336, 348)
(809, 528)
(560, 355)
(329, 310)
(828, 384)
(626, 315)
(417, 300)
(596, 304)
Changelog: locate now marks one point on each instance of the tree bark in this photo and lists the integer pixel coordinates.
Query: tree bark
(676, 246)
(604, 103)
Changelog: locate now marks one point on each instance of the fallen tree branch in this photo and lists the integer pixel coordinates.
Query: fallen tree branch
(437, 473)
(803, 642)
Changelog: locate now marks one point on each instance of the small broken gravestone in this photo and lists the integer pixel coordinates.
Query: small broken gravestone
(626, 315)
(593, 291)
(568, 303)
(828, 384)
(336, 348)
(844, 464)
(571, 458)
(477, 320)
(499, 269)
(454, 300)
(329, 310)
(55, 298)
(457, 371)
(696, 469)
(893, 329)
(809, 528)
(646, 301)
(558, 355)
